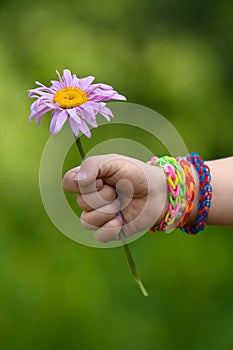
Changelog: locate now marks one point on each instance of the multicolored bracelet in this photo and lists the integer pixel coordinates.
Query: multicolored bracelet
(181, 193)
(190, 186)
(176, 192)
(205, 195)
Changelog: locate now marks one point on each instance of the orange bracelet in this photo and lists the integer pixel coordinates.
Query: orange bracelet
(190, 186)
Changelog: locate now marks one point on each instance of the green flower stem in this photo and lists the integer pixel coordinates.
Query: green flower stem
(132, 265)
(123, 240)
(80, 147)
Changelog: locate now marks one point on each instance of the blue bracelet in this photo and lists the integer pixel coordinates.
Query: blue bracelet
(205, 195)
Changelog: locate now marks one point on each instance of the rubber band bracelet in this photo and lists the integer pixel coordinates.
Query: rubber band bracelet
(205, 195)
(176, 192)
(190, 186)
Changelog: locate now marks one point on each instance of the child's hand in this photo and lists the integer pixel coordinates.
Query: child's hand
(118, 192)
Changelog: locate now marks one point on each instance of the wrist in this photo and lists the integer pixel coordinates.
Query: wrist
(163, 194)
(158, 193)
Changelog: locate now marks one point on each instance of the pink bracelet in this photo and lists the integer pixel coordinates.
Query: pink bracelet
(176, 192)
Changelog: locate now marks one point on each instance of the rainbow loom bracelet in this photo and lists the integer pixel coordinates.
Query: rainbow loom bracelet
(190, 186)
(205, 195)
(176, 192)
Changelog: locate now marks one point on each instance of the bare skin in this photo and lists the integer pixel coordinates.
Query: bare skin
(221, 211)
(117, 192)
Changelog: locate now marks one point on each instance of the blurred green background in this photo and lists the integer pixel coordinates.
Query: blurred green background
(172, 56)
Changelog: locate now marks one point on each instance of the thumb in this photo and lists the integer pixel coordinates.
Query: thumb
(94, 167)
(107, 167)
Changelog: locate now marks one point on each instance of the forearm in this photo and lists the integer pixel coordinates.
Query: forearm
(221, 210)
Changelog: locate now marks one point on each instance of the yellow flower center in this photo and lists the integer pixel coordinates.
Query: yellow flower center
(70, 97)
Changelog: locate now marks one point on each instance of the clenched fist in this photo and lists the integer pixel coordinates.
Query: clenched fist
(117, 192)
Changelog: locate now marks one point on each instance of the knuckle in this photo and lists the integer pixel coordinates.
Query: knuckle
(86, 162)
(66, 181)
(101, 237)
(86, 202)
(107, 234)
(81, 202)
(114, 155)
(86, 223)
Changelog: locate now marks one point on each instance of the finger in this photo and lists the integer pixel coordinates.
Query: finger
(103, 166)
(71, 185)
(94, 219)
(88, 171)
(99, 199)
(109, 231)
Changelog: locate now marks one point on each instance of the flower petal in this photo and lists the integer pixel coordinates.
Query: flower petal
(106, 112)
(73, 114)
(57, 85)
(39, 116)
(58, 120)
(39, 112)
(34, 105)
(117, 96)
(40, 91)
(89, 116)
(67, 77)
(101, 95)
(98, 106)
(100, 86)
(87, 105)
(98, 94)
(74, 127)
(86, 82)
(75, 81)
(85, 129)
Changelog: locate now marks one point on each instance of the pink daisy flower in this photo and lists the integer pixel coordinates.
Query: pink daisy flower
(74, 99)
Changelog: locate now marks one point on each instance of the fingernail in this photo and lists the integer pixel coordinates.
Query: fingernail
(80, 176)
